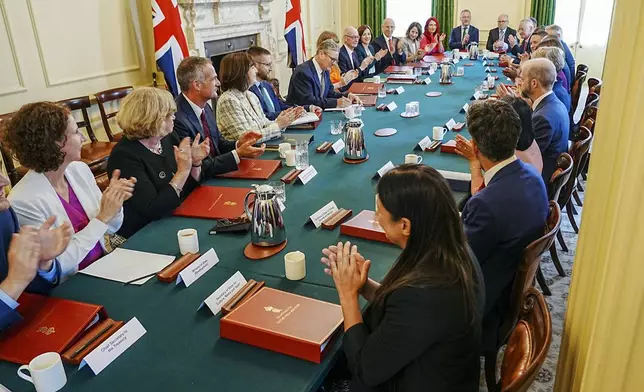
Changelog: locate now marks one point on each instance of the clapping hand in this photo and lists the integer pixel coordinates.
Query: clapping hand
(183, 156)
(464, 148)
(503, 91)
(121, 189)
(442, 37)
(349, 274)
(466, 39)
(381, 53)
(512, 40)
(23, 259)
(199, 151)
(524, 57)
(349, 76)
(286, 117)
(245, 145)
(510, 72)
(366, 62)
(330, 255)
(354, 99)
(315, 109)
(53, 242)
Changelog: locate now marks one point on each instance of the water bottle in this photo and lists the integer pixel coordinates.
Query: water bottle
(382, 92)
(301, 155)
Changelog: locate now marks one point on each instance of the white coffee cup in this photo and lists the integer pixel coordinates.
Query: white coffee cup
(188, 241)
(295, 265)
(290, 157)
(350, 112)
(282, 148)
(413, 158)
(47, 372)
(437, 133)
(376, 79)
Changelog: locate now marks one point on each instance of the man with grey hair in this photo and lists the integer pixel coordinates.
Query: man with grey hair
(348, 58)
(311, 81)
(388, 42)
(556, 56)
(461, 36)
(526, 27)
(550, 121)
(195, 117)
(498, 38)
(570, 59)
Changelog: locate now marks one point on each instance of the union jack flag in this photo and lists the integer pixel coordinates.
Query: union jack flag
(294, 34)
(170, 46)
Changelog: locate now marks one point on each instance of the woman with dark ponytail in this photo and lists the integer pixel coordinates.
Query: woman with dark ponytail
(422, 330)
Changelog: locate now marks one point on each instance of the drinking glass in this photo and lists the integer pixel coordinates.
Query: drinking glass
(280, 190)
(460, 71)
(336, 127)
(409, 109)
(302, 155)
(418, 71)
(382, 92)
(415, 107)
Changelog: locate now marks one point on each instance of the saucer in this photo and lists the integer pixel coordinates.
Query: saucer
(434, 94)
(405, 115)
(384, 132)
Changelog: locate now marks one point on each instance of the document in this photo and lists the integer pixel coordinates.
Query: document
(123, 265)
(308, 117)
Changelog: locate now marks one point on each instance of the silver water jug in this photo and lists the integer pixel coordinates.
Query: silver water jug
(354, 140)
(267, 223)
(474, 50)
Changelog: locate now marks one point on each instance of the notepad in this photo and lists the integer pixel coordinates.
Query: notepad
(308, 117)
(123, 265)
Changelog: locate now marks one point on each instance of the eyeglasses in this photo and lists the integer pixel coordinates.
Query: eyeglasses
(501, 21)
(264, 64)
(353, 36)
(333, 59)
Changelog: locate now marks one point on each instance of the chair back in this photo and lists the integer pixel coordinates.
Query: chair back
(7, 157)
(528, 345)
(527, 270)
(575, 87)
(578, 150)
(589, 118)
(82, 104)
(594, 87)
(560, 176)
(106, 96)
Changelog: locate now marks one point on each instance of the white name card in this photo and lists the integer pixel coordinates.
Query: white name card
(383, 170)
(198, 268)
(399, 90)
(114, 346)
(281, 205)
(425, 143)
(226, 291)
(337, 146)
(484, 63)
(487, 69)
(456, 61)
(450, 124)
(431, 71)
(320, 215)
(465, 108)
(477, 95)
(427, 81)
(307, 174)
(391, 107)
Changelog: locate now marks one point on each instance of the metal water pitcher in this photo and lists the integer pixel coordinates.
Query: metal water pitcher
(267, 223)
(354, 141)
(474, 50)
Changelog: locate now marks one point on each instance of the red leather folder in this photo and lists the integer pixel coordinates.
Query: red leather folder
(49, 324)
(254, 169)
(364, 88)
(434, 58)
(213, 202)
(398, 69)
(284, 322)
(449, 147)
(364, 225)
(369, 100)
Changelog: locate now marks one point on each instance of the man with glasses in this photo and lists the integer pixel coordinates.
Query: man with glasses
(271, 104)
(348, 58)
(497, 41)
(311, 82)
(464, 34)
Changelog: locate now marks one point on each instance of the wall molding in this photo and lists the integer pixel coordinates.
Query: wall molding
(49, 82)
(12, 45)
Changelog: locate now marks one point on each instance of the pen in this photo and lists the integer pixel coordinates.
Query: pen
(92, 340)
(139, 278)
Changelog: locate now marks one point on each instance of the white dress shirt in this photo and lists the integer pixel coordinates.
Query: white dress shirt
(502, 39)
(487, 177)
(538, 100)
(350, 51)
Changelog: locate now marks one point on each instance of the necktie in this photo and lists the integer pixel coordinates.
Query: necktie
(464, 33)
(267, 98)
(351, 59)
(501, 35)
(206, 131)
(391, 44)
(322, 85)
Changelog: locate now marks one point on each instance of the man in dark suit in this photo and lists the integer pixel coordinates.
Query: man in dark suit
(198, 82)
(311, 82)
(570, 59)
(505, 215)
(388, 42)
(348, 58)
(526, 27)
(272, 105)
(464, 34)
(497, 40)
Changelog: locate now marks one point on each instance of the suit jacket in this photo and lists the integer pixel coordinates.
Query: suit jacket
(389, 59)
(494, 36)
(362, 54)
(551, 124)
(238, 112)
(570, 63)
(186, 124)
(455, 38)
(410, 48)
(523, 47)
(419, 339)
(278, 104)
(345, 63)
(498, 238)
(560, 91)
(304, 87)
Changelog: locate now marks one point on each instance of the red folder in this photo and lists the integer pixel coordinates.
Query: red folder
(49, 324)
(213, 202)
(254, 169)
(369, 100)
(364, 225)
(398, 69)
(364, 88)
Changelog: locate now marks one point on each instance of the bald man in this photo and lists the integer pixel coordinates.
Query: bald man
(387, 41)
(497, 40)
(550, 121)
(348, 58)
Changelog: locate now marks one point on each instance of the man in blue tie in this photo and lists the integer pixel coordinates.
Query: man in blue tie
(271, 104)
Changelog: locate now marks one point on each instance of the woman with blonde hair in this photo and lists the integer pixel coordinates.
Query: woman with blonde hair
(166, 169)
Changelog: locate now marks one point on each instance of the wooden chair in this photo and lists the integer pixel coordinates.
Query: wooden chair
(523, 283)
(577, 83)
(102, 180)
(528, 345)
(106, 96)
(94, 153)
(594, 87)
(589, 120)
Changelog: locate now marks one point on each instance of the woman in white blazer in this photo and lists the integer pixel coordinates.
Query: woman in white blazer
(44, 137)
(239, 109)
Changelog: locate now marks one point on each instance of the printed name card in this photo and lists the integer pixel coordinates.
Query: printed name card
(423, 144)
(383, 170)
(307, 174)
(431, 71)
(337, 146)
(487, 70)
(456, 60)
(484, 63)
(391, 107)
(427, 81)
(114, 346)
(399, 90)
(198, 268)
(320, 215)
(477, 95)
(465, 108)
(226, 291)
(450, 124)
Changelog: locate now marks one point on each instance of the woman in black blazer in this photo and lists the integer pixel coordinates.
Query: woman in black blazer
(422, 330)
(167, 169)
(365, 49)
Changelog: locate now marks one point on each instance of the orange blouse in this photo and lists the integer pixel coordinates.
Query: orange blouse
(336, 76)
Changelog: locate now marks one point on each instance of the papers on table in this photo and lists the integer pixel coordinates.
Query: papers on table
(123, 265)
(308, 117)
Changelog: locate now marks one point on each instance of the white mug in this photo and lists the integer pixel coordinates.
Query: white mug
(295, 265)
(47, 372)
(290, 157)
(413, 158)
(437, 133)
(376, 79)
(188, 241)
(282, 148)
(350, 112)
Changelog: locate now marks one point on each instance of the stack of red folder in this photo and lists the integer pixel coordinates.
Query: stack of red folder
(364, 225)
(254, 169)
(213, 202)
(364, 88)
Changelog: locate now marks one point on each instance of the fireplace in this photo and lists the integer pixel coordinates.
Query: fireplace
(217, 49)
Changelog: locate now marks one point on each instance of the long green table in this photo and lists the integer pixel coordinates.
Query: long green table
(182, 349)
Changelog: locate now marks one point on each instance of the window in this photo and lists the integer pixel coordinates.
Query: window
(404, 12)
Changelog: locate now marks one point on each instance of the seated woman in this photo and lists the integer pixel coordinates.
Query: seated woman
(45, 138)
(166, 170)
(365, 49)
(558, 58)
(411, 43)
(422, 330)
(238, 109)
(432, 40)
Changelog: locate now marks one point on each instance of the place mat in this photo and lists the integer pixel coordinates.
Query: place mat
(355, 161)
(434, 94)
(405, 115)
(255, 252)
(384, 132)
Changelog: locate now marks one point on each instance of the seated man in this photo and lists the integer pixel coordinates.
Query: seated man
(263, 88)
(556, 56)
(198, 82)
(464, 34)
(507, 214)
(389, 43)
(311, 84)
(526, 27)
(497, 40)
(27, 258)
(348, 58)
